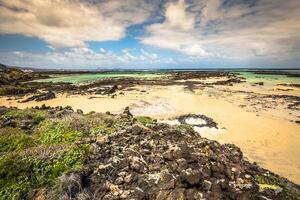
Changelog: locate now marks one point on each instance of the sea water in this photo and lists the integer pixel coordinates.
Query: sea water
(81, 78)
(270, 79)
(250, 77)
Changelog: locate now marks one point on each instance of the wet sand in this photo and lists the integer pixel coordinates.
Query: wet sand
(267, 137)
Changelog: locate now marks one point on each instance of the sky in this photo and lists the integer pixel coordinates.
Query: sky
(150, 34)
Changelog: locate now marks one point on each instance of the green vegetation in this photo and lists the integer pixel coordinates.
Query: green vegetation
(184, 127)
(12, 139)
(57, 133)
(32, 114)
(103, 123)
(267, 186)
(102, 126)
(33, 158)
(21, 175)
(272, 182)
(144, 120)
(14, 89)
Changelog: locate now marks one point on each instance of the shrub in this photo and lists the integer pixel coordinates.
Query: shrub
(186, 127)
(21, 175)
(103, 123)
(15, 89)
(35, 115)
(144, 120)
(12, 139)
(56, 133)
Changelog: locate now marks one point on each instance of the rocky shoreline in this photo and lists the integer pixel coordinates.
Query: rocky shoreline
(127, 158)
(22, 84)
(271, 72)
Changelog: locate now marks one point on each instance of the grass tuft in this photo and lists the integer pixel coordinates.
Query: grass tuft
(272, 182)
(144, 120)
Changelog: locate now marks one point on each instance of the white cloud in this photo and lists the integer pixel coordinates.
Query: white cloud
(82, 57)
(234, 30)
(71, 23)
(150, 56)
(176, 17)
(102, 50)
(176, 32)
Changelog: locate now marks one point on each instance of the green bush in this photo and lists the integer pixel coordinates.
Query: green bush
(56, 133)
(12, 139)
(101, 129)
(21, 175)
(14, 89)
(184, 127)
(144, 120)
(102, 124)
(35, 115)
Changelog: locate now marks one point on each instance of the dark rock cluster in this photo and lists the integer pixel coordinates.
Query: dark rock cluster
(230, 81)
(209, 121)
(41, 97)
(164, 162)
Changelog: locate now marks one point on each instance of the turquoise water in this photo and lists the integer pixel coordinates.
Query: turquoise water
(81, 78)
(268, 78)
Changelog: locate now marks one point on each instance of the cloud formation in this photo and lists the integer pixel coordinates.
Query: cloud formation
(177, 32)
(71, 23)
(247, 31)
(84, 58)
(228, 28)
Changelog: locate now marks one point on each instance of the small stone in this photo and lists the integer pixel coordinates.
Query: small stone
(193, 194)
(177, 194)
(128, 178)
(167, 181)
(137, 194)
(191, 176)
(247, 176)
(79, 111)
(206, 185)
(127, 111)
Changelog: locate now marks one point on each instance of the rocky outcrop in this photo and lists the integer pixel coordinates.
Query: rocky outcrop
(13, 75)
(209, 122)
(129, 159)
(164, 162)
(41, 97)
(107, 90)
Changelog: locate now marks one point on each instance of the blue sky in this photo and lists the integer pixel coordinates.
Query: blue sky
(139, 34)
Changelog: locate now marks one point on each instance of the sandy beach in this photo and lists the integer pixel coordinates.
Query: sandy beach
(266, 136)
